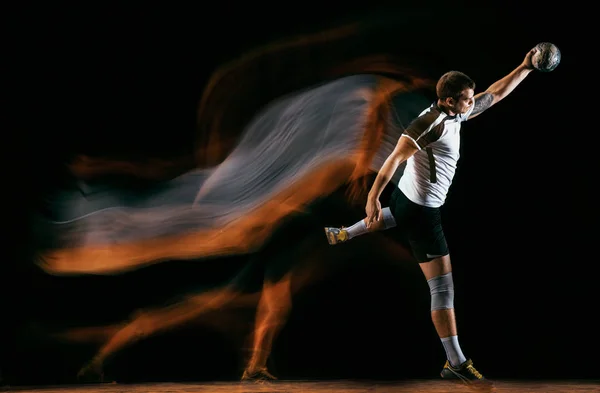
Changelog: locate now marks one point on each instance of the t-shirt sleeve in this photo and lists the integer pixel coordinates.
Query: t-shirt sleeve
(424, 130)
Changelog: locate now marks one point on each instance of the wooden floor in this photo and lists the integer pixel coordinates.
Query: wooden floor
(317, 387)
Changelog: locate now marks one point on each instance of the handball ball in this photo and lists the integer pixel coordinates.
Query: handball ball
(547, 57)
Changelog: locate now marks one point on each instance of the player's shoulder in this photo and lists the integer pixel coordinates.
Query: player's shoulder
(428, 116)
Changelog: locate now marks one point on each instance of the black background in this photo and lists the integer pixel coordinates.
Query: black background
(520, 218)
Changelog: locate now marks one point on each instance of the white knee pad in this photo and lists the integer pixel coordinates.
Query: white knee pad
(442, 292)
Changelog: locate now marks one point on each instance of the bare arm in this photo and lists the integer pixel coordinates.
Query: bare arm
(503, 87)
(404, 149)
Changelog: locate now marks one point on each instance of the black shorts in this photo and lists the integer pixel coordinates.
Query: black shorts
(419, 226)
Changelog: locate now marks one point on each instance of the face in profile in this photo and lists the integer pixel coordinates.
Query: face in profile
(463, 103)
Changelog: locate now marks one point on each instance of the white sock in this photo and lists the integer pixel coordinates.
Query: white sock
(360, 228)
(453, 351)
(357, 229)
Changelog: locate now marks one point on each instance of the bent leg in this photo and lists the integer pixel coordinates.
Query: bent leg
(340, 235)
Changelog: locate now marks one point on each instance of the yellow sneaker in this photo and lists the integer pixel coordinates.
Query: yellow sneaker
(468, 375)
(336, 235)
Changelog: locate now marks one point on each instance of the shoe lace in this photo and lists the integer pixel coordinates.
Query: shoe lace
(474, 371)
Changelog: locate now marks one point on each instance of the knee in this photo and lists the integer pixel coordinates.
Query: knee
(442, 292)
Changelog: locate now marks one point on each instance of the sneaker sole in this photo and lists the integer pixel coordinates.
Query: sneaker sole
(330, 237)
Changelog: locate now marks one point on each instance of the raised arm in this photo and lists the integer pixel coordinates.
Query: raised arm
(503, 87)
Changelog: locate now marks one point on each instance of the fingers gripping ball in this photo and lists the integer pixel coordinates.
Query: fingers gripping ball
(547, 57)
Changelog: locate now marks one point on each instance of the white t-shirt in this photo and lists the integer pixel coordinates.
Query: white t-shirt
(429, 172)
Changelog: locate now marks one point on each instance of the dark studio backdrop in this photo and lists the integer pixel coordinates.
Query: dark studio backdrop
(519, 218)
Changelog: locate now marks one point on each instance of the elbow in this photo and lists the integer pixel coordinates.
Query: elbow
(396, 160)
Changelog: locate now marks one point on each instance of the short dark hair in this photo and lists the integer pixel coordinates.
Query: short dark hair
(452, 83)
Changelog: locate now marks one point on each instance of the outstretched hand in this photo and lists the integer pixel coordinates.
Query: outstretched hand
(528, 61)
(373, 210)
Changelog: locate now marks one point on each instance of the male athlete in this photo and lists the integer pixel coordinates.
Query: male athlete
(430, 147)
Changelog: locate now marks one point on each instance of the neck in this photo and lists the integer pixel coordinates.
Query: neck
(445, 108)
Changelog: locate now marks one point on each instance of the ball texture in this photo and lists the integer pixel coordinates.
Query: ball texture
(547, 57)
